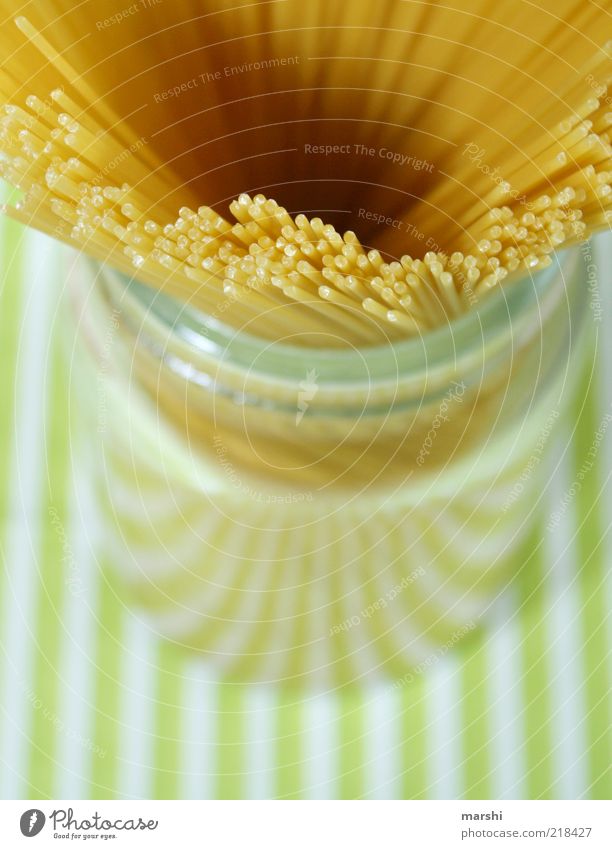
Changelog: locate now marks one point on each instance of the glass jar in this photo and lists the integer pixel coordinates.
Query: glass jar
(322, 515)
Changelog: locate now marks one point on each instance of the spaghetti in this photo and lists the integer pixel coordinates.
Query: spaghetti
(502, 190)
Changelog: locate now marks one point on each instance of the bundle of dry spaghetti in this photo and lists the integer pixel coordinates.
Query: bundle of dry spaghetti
(463, 142)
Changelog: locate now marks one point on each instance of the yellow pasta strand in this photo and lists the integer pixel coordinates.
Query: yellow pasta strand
(466, 141)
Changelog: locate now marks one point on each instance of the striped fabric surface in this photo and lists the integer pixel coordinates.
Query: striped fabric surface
(94, 706)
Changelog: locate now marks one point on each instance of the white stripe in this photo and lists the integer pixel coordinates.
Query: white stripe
(284, 654)
(77, 669)
(466, 538)
(353, 600)
(401, 556)
(152, 554)
(448, 603)
(383, 767)
(320, 658)
(207, 593)
(443, 731)
(198, 732)
(246, 623)
(565, 642)
(21, 565)
(505, 699)
(260, 721)
(320, 718)
(136, 713)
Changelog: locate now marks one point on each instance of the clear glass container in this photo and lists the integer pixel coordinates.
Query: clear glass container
(322, 515)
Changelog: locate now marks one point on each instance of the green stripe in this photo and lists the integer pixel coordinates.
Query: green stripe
(231, 741)
(538, 706)
(476, 729)
(351, 730)
(167, 725)
(529, 570)
(11, 296)
(106, 718)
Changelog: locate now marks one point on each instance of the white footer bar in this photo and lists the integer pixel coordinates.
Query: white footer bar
(307, 825)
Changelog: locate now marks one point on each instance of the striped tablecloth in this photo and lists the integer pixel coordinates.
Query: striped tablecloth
(94, 706)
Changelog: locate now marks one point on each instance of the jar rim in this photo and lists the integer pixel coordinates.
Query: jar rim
(499, 314)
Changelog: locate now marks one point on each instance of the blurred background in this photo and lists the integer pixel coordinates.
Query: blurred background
(94, 705)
